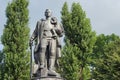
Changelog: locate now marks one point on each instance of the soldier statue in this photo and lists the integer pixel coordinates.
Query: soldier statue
(47, 45)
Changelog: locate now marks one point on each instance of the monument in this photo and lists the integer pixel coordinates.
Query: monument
(47, 49)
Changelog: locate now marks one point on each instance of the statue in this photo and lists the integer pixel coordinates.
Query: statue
(47, 49)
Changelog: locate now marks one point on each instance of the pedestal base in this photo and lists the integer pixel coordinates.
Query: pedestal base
(47, 78)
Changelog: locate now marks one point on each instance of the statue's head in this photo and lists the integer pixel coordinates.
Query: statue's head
(48, 13)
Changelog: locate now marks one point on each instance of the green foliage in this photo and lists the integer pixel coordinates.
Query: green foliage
(15, 40)
(66, 18)
(78, 31)
(69, 62)
(1, 65)
(106, 58)
(1, 56)
(87, 74)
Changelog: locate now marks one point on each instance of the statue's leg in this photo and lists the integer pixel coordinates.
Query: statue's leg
(42, 52)
(52, 57)
(42, 58)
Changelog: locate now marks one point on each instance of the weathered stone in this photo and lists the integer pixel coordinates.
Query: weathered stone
(47, 48)
(47, 78)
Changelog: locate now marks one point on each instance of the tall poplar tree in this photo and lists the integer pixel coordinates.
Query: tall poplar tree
(1, 56)
(15, 40)
(69, 62)
(78, 31)
(1, 65)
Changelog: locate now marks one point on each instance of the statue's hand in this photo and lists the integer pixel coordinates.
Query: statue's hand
(54, 36)
(30, 42)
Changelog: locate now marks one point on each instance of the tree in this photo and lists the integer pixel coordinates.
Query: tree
(15, 40)
(106, 57)
(1, 56)
(69, 62)
(66, 18)
(1, 65)
(79, 33)
(112, 61)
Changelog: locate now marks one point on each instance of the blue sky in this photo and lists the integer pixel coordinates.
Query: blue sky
(104, 14)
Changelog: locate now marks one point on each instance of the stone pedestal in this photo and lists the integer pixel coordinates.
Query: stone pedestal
(44, 74)
(47, 78)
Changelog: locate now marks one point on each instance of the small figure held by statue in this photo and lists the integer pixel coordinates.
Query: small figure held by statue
(47, 50)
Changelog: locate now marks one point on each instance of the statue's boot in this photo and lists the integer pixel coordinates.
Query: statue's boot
(51, 71)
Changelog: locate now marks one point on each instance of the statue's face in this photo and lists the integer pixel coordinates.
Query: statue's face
(48, 13)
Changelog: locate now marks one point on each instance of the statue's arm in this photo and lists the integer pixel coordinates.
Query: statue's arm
(59, 30)
(35, 33)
